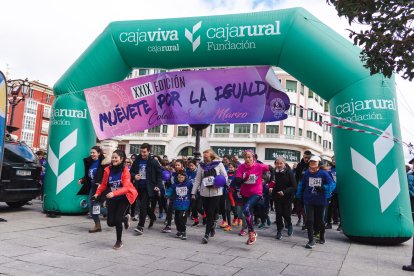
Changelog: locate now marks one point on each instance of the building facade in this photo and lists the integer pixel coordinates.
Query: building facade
(32, 116)
(289, 138)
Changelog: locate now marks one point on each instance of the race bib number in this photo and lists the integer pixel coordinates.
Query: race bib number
(315, 182)
(143, 172)
(334, 176)
(181, 191)
(208, 181)
(251, 180)
(96, 209)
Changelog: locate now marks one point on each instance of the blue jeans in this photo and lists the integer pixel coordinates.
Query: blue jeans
(248, 204)
(95, 218)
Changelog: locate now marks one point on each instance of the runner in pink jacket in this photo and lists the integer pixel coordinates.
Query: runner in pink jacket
(249, 176)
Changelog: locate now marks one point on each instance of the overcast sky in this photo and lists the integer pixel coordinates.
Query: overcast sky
(40, 39)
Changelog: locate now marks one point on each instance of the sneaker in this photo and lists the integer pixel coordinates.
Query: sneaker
(127, 221)
(195, 223)
(235, 222)
(317, 235)
(408, 267)
(339, 228)
(298, 223)
(290, 230)
(303, 227)
(183, 236)
(139, 230)
(321, 241)
(135, 218)
(151, 223)
(261, 225)
(240, 222)
(328, 226)
(310, 244)
(178, 235)
(268, 222)
(227, 228)
(252, 238)
(118, 245)
(204, 240)
(223, 224)
(279, 235)
(167, 229)
(212, 232)
(160, 215)
(242, 232)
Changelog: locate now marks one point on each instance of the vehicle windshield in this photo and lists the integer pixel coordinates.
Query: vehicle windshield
(15, 152)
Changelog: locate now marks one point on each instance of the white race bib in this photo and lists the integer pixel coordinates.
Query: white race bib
(96, 209)
(315, 182)
(251, 180)
(208, 181)
(181, 191)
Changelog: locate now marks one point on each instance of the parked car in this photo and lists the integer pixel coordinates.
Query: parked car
(20, 176)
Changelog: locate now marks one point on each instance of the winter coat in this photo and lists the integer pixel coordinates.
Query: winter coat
(284, 182)
(153, 173)
(203, 172)
(86, 181)
(127, 188)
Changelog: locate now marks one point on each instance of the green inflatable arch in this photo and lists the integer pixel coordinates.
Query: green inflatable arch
(371, 176)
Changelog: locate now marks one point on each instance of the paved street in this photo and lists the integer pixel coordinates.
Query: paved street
(32, 244)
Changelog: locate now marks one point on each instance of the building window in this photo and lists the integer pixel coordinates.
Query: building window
(310, 94)
(272, 129)
(291, 86)
(164, 128)
(255, 128)
(330, 145)
(48, 98)
(30, 107)
(28, 138)
(221, 128)
(158, 149)
(242, 128)
(309, 134)
(43, 142)
(193, 132)
(321, 102)
(301, 112)
(182, 131)
(302, 89)
(300, 132)
(310, 114)
(142, 72)
(134, 149)
(292, 110)
(314, 137)
(30, 95)
(156, 129)
(290, 130)
(46, 111)
(316, 98)
(45, 126)
(319, 140)
(315, 116)
(325, 144)
(29, 122)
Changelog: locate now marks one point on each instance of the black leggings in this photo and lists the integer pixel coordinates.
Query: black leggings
(197, 207)
(116, 214)
(314, 220)
(210, 206)
(283, 207)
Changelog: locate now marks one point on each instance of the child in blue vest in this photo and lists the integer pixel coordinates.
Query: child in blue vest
(181, 192)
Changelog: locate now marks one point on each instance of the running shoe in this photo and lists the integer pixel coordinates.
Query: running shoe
(227, 228)
(167, 229)
(279, 235)
(118, 245)
(262, 225)
(235, 222)
(223, 224)
(310, 244)
(252, 238)
(183, 236)
(195, 223)
(204, 240)
(139, 230)
(242, 232)
(290, 230)
(178, 235)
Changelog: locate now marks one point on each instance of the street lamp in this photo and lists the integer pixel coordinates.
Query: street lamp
(198, 128)
(14, 87)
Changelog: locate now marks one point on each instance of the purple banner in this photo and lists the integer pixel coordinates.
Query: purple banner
(237, 95)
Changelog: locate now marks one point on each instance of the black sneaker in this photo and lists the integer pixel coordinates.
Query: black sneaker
(118, 245)
(279, 235)
(127, 220)
(328, 226)
(135, 218)
(183, 236)
(290, 230)
(212, 232)
(310, 244)
(151, 223)
(167, 229)
(321, 241)
(339, 228)
(139, 230)
(408, 267)
(178, 235)
(204, 240)
(304, 227)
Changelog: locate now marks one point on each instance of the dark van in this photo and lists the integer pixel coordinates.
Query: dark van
(20, 176)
